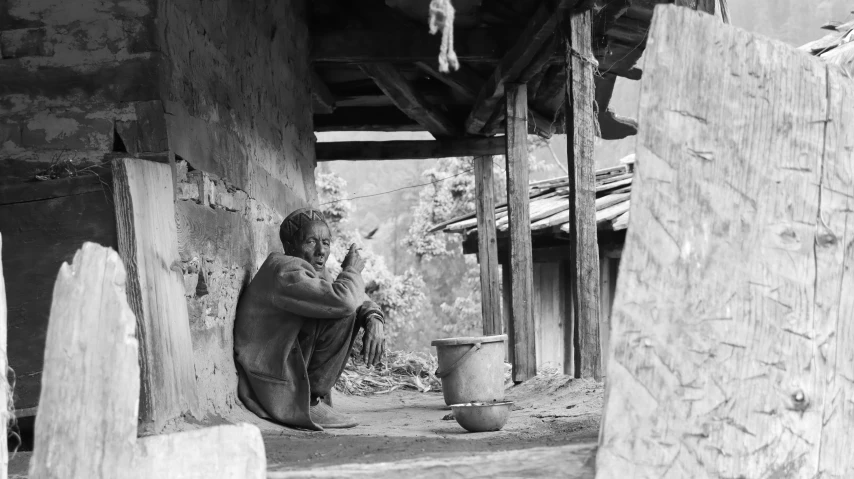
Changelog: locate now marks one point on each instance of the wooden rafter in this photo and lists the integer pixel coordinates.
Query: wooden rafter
(479, 45)
(517, 61)
(409, 100)
(409, 149)
(465, 81)
(324, 102)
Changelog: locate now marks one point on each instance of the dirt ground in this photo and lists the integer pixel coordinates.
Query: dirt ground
(549, 410)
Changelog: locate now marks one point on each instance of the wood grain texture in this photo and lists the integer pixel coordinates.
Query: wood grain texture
(584, 265)
(5, 390)
(148, 244)
(490, 276)
(324, 100)
(409, 149)
(86, 423)
(404, 95)
(521, 262)
(569, 462)
(733, 346)
(222, 452)
(550, 314)
(38, 237)
(605, 303)
(538, 32)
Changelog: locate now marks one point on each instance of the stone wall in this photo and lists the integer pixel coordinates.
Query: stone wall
(219, 89)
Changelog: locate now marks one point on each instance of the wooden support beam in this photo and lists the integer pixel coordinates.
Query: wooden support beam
(490, 277)
(87, 420)
(409, 149)
(465, 81)
(324, 101)
(148, 243)
(409, 100)
(517, 61)
(366, 119)
(584, 261)
(409, 45)
(605, 284)
(733, 348)
(521, 262)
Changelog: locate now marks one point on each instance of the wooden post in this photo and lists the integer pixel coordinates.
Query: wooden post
(87, 421)
(5, 391)
(148, 244)
(490, 277)
(732, 333)
(584, 250)
(521, 262)
(604, 309)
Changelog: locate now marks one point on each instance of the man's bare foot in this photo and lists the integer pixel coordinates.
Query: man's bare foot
(326, 417)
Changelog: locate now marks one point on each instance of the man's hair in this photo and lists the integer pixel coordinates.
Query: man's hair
(295, 222)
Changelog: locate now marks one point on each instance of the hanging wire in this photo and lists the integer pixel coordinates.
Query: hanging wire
(399, 189)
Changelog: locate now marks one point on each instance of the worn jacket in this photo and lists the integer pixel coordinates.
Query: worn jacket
(286, 292)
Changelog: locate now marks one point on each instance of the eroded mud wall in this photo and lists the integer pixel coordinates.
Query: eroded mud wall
(238, 114)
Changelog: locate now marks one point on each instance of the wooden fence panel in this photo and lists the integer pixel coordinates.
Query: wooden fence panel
(732, 343)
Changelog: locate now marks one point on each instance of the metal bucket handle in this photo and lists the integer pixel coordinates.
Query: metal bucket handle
(475, 347)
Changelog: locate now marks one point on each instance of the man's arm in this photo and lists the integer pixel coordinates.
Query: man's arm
(302, 291)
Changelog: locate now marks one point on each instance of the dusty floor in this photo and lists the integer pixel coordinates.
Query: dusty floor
(551, 410)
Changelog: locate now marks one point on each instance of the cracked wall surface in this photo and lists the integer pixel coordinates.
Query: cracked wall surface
(218, 89)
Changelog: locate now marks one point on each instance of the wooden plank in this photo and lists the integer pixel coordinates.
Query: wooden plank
(483, 45)
(86, 424)
(605, 302)
(465, 82)
(409, 149)
(227, 452)
(747, 369)
(613, 185)
(148, 243)
(569, 462)
(45, 190)
(541, 27)
(621, 222)
(388, 118)
(324, 101)
(45, 234)
(487, 246)
(549, 314)
(584, 265)
(409, 100)
(5, 390)
(521, 263)
(507, 308)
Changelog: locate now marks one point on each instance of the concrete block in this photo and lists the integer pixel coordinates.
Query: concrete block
(25, 42)
(188, 191)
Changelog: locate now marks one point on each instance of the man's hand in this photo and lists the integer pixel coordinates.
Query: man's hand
(353, 259)
(373, 341)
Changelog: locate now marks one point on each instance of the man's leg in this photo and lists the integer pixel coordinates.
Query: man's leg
(326, 346)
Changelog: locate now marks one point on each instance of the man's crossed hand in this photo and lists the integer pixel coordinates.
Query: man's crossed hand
(373, 341)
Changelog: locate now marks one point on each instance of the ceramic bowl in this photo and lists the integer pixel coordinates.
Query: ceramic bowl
(482, 417)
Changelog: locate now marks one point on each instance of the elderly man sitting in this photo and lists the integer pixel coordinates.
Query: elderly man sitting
(295, 327)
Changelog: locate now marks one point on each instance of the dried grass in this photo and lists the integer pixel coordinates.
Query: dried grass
(399, 370)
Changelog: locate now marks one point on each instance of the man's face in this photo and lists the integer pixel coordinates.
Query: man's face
(313, 244)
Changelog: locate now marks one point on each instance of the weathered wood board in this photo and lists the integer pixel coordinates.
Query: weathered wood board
(5, 392)
(584, 249)
(521, 262)
(87, 421)
(490, 276)
(41, 231)
(87, 410)
(573, 461)
(550, 314)
(732, 341)
(148, 244)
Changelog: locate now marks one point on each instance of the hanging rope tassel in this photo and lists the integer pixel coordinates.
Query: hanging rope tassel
(442, 18)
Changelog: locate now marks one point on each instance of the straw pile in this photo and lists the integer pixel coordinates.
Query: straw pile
(399, 370)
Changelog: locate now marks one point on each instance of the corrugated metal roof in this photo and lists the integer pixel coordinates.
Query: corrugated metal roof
(549, 206)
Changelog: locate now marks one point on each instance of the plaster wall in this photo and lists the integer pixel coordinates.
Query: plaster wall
(219, 89)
